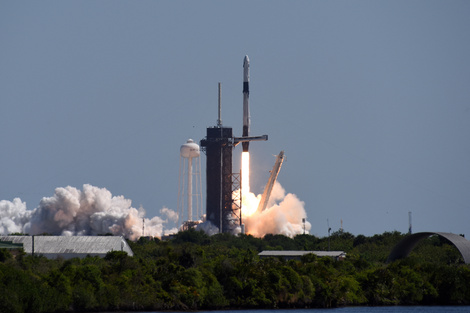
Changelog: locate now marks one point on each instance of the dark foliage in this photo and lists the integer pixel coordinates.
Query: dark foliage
(194, 271)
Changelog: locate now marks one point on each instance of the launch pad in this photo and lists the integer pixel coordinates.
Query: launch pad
(222, 209)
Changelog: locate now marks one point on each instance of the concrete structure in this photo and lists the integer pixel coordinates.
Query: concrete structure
(407, 244)
(296, 255)
(69, 247)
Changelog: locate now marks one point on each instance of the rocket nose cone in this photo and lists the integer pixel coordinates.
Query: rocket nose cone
(246, 61)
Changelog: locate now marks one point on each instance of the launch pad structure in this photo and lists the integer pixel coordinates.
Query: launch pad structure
(222, 209)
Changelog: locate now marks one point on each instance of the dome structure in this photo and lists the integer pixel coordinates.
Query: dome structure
(407, 244)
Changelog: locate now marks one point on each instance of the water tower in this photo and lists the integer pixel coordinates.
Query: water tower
(189, 185)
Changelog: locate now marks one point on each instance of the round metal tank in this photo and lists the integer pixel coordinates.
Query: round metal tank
(190, 149)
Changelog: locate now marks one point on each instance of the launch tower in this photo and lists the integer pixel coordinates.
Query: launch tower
(221, 209)
(218, 147)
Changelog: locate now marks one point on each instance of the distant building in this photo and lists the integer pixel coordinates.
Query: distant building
(69, 247)
(296, 255)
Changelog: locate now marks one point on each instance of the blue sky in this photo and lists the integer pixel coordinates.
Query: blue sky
(369, 99)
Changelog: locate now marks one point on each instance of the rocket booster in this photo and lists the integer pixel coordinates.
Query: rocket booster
(246, 101)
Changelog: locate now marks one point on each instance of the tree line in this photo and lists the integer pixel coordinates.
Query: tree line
(193, 271)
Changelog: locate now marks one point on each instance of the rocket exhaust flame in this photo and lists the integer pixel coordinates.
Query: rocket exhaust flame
(245, 173)
(248, 208)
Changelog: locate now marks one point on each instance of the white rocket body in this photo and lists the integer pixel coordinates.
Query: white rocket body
(246, 101)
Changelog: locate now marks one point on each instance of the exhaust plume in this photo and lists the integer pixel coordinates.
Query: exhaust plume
(13, 215)
(73, 212)
(283, 215)
(95, 211)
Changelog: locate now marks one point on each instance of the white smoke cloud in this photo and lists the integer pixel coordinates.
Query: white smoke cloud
(283, 215)
(208, 228)
(91, 211)
(170, 214)
(95, 211)
(13, 215)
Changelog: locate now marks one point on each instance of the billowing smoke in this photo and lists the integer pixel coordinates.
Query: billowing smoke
(284, 215)
(91, 211)
(95, 211)
(208, 228)
(13, 216)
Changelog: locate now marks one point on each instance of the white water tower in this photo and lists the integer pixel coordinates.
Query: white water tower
(189, 183)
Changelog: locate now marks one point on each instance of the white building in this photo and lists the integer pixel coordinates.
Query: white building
(69, 247)
(290, 254)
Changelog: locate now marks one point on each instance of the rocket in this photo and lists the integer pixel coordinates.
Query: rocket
(246, 102)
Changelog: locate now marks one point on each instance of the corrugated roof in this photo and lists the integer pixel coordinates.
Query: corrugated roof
(70, 246)
(292, 253)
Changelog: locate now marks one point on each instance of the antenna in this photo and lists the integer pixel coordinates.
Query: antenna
(143, 226)
(219, 120)
(409, 223)
(329, 229)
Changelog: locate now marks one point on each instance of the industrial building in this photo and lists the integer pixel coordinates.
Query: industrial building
(296, 255)
(68, 247)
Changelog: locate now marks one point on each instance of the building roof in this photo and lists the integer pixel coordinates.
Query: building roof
(407, 244)
(70, 246)
(298, 254)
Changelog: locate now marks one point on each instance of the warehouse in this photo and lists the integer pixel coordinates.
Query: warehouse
(68, 247)
(296, 255)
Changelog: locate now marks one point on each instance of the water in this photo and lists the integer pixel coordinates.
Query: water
(378, 309)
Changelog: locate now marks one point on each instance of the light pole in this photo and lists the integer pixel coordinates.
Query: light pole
(329, 229)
